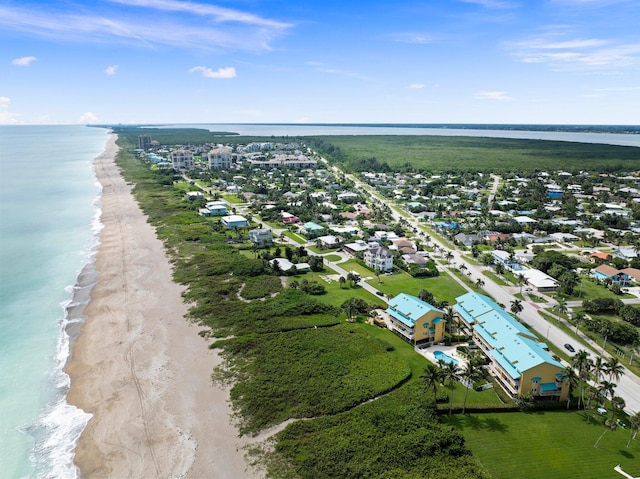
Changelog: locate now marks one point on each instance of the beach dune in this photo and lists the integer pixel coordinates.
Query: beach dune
(139, 367)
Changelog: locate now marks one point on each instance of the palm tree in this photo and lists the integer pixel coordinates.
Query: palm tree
(582, 363)
(449, 316)
(609, 425)
(480, 283)
(448, 256)
(571, 377)
(561, 307)
(450, 374)
(470, 373)
(599, 367)
(432, 377)
(521, 281)
(594, 395)
(516, 307)
(634, 427)
(614, 369)
(606, 388)
(578, 318)
(342, 280)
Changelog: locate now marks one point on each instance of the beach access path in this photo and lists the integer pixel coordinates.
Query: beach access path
(139, 367)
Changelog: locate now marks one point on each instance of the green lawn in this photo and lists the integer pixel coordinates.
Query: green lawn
(332, 257)
(335, 294)
(545, 445)
(353, 265)
(295, 237)
(233, 199)
(443, 287)
(590, 290)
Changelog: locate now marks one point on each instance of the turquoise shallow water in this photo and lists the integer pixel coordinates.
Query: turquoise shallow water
(49, 205)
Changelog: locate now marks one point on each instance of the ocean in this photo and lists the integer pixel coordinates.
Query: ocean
(49, 225)
(49, 221)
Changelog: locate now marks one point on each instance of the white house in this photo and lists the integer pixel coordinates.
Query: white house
(182, 159)
(220, 157)
(379, 258)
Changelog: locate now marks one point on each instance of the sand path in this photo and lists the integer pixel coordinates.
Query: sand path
(139, 367)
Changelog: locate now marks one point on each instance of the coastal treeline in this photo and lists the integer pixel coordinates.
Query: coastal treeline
(452, 154)
(362, 409)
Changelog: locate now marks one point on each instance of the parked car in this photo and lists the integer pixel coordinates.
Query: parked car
(569, 347)
(379, 293)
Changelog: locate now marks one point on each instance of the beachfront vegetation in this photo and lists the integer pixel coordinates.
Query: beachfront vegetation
(292, 355)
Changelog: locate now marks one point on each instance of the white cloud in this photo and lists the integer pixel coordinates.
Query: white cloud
(416, 86)
(409, 37)
(224, 73)
(111, 70)
(7, 117)
(87, 118)
(23, 61)
(596, 55)
(224, 29)
(493, 95)
(218, 14)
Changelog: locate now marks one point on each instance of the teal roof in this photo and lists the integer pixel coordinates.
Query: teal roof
(310, 226)
(514, 347)
(408, 309)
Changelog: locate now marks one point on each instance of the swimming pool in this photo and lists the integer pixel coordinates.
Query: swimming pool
(439, 355)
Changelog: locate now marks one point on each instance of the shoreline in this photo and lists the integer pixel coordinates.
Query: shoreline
(137, 366)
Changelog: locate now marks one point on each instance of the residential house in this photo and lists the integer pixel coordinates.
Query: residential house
(216, 208)
(468, 240)
(625, 252)
(359, 246)
(311, 229)
(542, 282)
(519, 361)
(415, 320)
(379, 258)
(289, 219)
(607, 273)
(234, 221)
(329, 241)
(285, 265)
(260, 237)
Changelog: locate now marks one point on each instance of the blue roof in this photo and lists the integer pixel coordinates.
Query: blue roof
(514, 347)
(408, 309)
(312, 226)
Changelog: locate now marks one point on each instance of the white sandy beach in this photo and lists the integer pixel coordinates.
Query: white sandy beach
(139, 367)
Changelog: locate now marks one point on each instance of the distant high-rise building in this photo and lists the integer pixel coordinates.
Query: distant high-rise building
(144, 142)
(220, 157)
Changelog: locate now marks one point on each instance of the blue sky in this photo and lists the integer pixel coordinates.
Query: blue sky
(329, 61)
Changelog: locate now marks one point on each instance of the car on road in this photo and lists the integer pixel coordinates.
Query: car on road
(569, 347)
(379, 293)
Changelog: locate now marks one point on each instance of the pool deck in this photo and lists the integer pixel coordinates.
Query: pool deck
(448, 350)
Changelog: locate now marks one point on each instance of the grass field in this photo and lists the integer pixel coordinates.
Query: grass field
(443, 287)
(543, 445)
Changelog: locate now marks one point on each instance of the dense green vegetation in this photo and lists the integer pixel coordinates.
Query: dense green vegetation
(396, 436)
(292, 355)
(454, 154)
